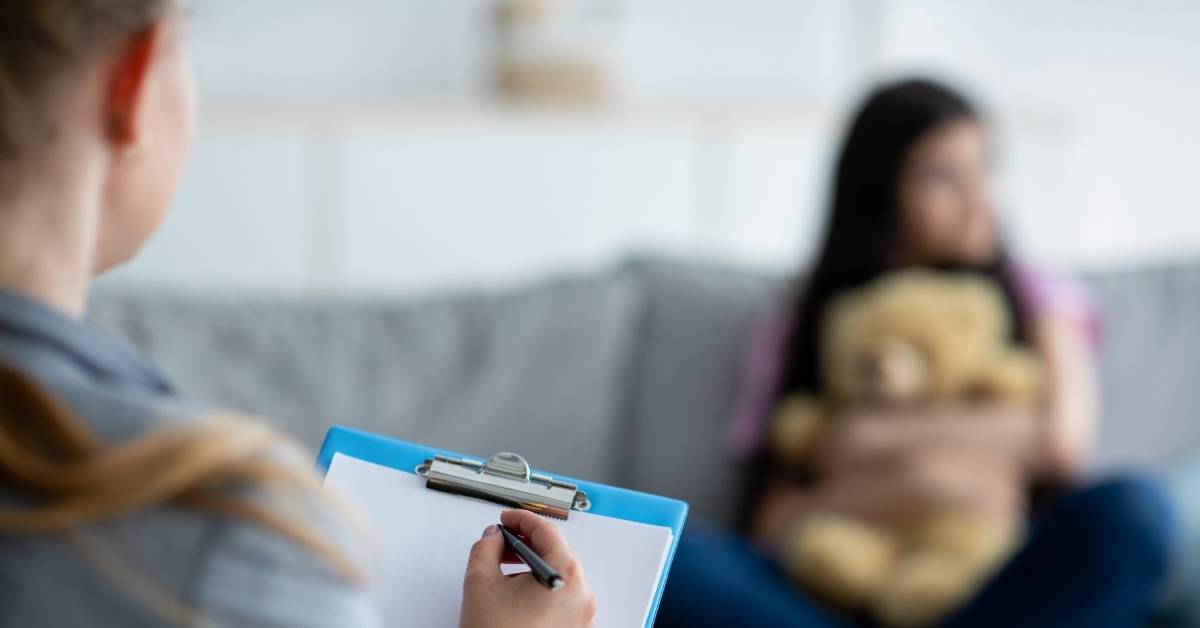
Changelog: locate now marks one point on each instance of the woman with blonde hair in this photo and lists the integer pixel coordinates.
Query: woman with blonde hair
(121, 502)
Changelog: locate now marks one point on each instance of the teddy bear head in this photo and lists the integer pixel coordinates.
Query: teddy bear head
(916, 336)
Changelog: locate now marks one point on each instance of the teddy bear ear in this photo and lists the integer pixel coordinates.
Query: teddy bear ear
(845, 324)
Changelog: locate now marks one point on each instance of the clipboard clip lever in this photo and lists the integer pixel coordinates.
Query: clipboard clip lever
(505, 479)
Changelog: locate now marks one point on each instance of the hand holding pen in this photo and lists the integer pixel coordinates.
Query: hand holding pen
(492, 599)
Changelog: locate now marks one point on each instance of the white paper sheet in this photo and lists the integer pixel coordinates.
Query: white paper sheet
(421, 539)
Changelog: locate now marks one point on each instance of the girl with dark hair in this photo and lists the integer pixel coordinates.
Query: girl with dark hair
(912, 189)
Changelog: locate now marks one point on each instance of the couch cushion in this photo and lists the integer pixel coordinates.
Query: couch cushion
(687, 379)
(539, 372)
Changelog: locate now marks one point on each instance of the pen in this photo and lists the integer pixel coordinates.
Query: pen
(542, 571)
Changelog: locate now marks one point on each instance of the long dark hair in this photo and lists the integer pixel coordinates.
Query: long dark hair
(864, 224)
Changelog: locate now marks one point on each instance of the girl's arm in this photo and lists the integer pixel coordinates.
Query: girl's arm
(1054, 443)
(867, 437)
(897, 492)
(1072, 414)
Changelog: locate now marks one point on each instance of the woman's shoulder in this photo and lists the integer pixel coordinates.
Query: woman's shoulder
(250, 574)
(170, 566)
(284, 553)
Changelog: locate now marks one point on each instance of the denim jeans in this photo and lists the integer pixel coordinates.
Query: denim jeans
(1094, 558)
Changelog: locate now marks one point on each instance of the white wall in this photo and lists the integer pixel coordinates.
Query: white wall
(1107, 175)
(303, 52)
(350, 145)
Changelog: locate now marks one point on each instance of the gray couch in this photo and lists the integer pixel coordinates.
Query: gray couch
(627, 377)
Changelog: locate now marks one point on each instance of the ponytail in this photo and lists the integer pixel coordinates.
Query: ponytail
(66, 478)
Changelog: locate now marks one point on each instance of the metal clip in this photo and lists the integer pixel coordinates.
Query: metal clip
(504, 479)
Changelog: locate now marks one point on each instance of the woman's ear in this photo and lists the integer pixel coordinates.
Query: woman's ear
(126, 101)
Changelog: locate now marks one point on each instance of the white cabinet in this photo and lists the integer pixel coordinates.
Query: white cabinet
(496, 198)
(423, 198)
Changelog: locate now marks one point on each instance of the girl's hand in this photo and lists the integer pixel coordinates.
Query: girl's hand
(905, 489)
(494, 600)
(968, 479)
(880, 436)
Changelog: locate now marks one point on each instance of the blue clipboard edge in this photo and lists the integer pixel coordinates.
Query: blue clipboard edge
(609, 501)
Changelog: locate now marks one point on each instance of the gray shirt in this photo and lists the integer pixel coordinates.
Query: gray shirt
(230, 573)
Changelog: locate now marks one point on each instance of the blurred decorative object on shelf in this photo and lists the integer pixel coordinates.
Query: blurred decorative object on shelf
(557, 51)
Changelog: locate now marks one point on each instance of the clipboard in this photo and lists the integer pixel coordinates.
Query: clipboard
(507, 480)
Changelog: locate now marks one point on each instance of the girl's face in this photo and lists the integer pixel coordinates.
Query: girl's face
(945, 198)
(141, 189)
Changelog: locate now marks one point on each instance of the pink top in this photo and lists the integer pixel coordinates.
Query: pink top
(1044, 293)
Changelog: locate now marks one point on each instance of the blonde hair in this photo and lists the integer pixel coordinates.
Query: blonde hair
(70, 478)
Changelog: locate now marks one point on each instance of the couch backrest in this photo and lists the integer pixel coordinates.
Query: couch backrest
(541, 372)
(688, 375)
(1149, 365)
(629, 377)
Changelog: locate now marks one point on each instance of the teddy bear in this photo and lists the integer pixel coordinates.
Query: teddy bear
(909, 338)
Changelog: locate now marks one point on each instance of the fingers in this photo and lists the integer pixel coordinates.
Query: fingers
(484, 562)
(542, 536)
